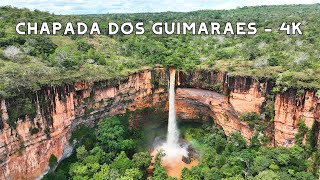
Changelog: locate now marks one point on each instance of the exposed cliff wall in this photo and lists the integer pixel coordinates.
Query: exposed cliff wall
(291, 107)
(231, 96)
(37, 124)
(45, 118)
(227, 97)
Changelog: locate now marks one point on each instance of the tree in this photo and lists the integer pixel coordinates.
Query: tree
(106, 173)
(259, 164)
(60, 175)
(267, 175)
(304, 176)
(283, 159)
(255, 141)
(81, 152)
(78, 170)
(40, 46)
(236, 142)
(96, 155)
(111, 135)
(141, 160)
(121, 163)
(159, 172)
(196, 174)
(133, 173)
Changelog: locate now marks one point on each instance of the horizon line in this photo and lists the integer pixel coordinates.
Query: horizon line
(159, 12)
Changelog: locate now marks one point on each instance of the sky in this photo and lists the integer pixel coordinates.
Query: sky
(134, 6)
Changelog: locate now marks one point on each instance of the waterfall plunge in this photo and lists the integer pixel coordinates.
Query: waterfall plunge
(172, 149)
(173, 132)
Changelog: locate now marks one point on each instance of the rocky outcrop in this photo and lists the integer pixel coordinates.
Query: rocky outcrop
(35, 125)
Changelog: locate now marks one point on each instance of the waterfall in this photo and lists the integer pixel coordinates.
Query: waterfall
(172, 149)
(173, 133)
(175, 152)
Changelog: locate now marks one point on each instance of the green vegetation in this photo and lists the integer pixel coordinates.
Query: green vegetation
(21, 148)
(252, 118)
(256, 122)
(81, 133)
(302, 131)
(53, 161)
(107, 153)
(231, 158)
(269, 110)
(18, 108)
(30, 62)
(112, 153)
(33, 131)
(159, 172)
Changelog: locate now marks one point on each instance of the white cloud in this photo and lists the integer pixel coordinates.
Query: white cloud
(125, 6)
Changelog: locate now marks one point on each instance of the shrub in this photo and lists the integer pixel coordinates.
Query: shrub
(21, 148)
(33, 131)
(40, 45)
(302, 131)
(19, 109)
(252, 118)
(269, 111)
(11, 52)
(261, 62)
(53, 161)
(273, 61)
(83, 46)
(226, 53)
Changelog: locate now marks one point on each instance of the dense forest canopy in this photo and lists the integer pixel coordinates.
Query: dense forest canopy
(110, 151)
(32, 61)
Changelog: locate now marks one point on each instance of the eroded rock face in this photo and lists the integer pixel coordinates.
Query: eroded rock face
(216, 106)
(290, 108)
(227, 97)
(26, 148)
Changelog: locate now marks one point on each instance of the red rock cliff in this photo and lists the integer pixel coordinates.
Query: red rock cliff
(290, 108)
(26, 148)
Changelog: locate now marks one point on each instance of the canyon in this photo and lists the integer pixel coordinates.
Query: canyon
(27, 140)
